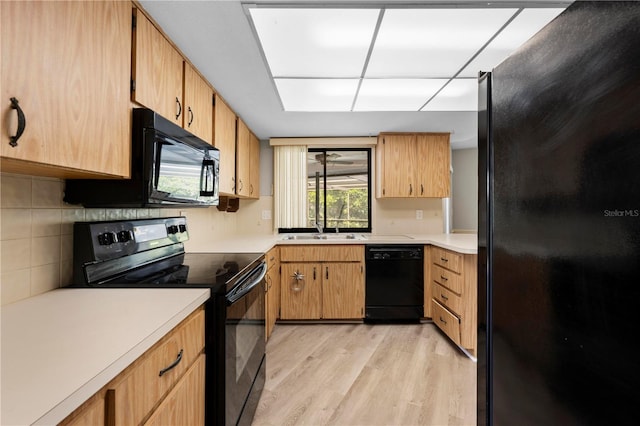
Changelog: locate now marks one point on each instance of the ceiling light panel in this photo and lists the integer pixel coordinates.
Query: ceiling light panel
(396, 94)
(461, 94)
(307, 42)
(431, 43)
(521, 29)
(301, 94)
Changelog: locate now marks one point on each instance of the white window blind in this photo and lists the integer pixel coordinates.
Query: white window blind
(290, 186)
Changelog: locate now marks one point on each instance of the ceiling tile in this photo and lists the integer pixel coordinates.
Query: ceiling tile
(396, 94)
(431, 43)
(521, 29)
(308, 42)
(461, 94)
(300, 94)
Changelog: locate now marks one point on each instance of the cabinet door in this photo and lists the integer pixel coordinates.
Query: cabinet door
(273, 298)
(224, 138)
(434, 165)
(243, 155)
(300, 298)
(184, 405)
(198, 104)
(342, 290)
(68, 65)
(398, 166)
(254, 165)
(157, 71)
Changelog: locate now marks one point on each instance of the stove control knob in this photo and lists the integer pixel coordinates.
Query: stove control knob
(183, 228)
(124, 236)
(172, 229)
(107, 238)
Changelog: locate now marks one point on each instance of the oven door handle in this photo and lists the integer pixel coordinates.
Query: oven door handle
(247, 284)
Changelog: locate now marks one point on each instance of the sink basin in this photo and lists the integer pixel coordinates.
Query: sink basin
(332, 237)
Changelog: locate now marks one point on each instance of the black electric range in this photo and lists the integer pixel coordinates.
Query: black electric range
(150, 253)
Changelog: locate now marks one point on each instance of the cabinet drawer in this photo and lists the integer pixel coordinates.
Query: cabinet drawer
(447, 279)
(133, 397)
(322, 253)
(446, 321)
(273, 257)
(447, 298)
(447, 259)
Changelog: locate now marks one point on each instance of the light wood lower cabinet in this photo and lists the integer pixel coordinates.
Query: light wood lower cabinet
(180, 407)
(314, 288)
(272, 299)
(450, 296)
(164, 386)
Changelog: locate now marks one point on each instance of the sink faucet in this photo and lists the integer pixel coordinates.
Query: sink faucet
(319, 228)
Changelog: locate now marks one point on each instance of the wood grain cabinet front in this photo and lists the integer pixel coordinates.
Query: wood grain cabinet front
(224, 138)
(413, 165)
(247, 162)
(165, 384)
(272, 299)
(65, 88)
(322, 282)
(450, 296)
(164, 82)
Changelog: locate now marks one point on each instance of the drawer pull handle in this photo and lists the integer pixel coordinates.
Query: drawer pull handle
(444, 259)
(444, 278)
(444, 297)
(173, 364)
(441, 320)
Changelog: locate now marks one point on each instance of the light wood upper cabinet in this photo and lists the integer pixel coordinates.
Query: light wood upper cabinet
(198, 104)
(224, 138)
(157, 71)
(68, 66)
(413, 165)
(247, 162)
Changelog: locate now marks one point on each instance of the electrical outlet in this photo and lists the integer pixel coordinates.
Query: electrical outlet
(419, 214)
(266, 214)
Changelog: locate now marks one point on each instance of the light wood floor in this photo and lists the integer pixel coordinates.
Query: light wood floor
(358, 374)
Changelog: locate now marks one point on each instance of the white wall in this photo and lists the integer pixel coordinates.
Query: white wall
(464, 202)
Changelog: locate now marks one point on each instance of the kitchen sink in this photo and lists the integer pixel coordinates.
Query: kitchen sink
(332, 237)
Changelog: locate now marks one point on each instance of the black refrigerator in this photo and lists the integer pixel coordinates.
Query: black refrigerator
(559, 224)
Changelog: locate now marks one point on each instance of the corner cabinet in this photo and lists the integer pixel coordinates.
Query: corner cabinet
(322, 282)
(67, 65)
(164, 82)
(224, 138)
(247, 163)
(272, 299)
(164, 386)
(451, 295)
(413, 165)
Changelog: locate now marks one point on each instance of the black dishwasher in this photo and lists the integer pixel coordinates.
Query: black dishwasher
(394, 283)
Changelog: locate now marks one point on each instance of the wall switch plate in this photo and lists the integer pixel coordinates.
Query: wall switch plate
(419, 214)
(266, 214)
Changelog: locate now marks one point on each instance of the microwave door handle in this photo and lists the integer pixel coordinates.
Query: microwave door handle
(206, 175)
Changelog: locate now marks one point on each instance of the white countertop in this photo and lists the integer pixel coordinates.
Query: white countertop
(61, 347)
(461, 243)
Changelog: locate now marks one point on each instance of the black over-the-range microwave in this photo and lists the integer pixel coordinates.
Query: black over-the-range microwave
(170, 167)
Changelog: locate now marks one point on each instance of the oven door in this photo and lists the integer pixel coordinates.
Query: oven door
(245, 346)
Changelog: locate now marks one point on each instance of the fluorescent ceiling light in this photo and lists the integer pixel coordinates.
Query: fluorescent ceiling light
(299, 94)
(521, 29)
(461, 94)
(303, 42)
(396, 94)
(431, 43)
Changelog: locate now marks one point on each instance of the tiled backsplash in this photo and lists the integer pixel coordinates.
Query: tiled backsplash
(37, 234)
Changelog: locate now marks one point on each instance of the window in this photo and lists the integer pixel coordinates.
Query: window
(338, 190)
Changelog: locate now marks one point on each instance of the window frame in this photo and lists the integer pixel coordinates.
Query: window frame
(329, 230)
